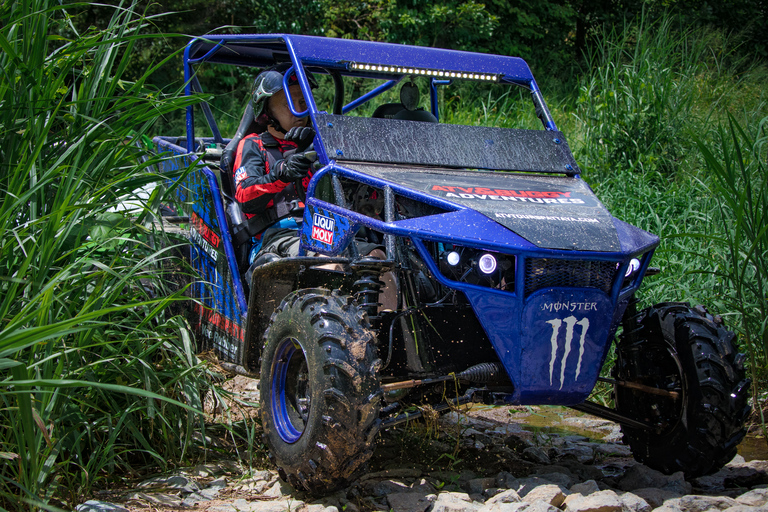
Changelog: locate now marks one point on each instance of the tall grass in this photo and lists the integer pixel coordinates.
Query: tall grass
(737, 162)
(658, 131)
(95, 379)
(646, 86)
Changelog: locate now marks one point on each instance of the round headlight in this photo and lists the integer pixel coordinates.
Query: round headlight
(486, 264)
(634, 266)
(453, 258)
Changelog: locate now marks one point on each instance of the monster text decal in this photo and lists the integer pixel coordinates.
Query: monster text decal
(322, 228)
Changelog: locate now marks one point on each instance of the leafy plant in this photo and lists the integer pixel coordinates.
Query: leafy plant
(639, 97)
(94, 376)
(736, 161)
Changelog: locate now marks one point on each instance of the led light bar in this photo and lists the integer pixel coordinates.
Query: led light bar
(439, 73)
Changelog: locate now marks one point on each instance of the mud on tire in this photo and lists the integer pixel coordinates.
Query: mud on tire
(319, 389)
(681, 349)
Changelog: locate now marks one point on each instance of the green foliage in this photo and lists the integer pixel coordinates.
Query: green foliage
(639, 98)
(738, 166)
(94, 375)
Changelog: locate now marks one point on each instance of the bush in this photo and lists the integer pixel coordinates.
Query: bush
(95, 371)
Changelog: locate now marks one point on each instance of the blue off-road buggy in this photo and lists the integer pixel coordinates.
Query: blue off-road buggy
(510, 279)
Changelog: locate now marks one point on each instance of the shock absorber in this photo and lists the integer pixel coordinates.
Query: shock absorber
(366, 292)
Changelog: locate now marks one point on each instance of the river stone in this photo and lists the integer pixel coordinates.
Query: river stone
(581, 452)
(602, 501)
(160, 498)
(656, 497)
(754, 498)
(536, 454)
(551, 494)
(585, 488)
(697, 503)
(454, 502)
(392, 473)
(744, 508)
(319, 507)
(634, 503)
(612, 450)
(180, 482)
(562, 479)
(508, 496)
(384, 487)
(273, 506)
(278, 490)
(410, 501)
(641, 476)
(526, 485)
(222, 508)
(479, 485)
(99, 506)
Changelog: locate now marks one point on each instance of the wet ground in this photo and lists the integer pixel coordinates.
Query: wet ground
(481, 448)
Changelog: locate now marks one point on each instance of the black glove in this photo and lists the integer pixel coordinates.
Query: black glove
(293, 167)
(302, 136)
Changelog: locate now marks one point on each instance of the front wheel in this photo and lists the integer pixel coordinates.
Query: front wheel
(319, 389)
(700, 412)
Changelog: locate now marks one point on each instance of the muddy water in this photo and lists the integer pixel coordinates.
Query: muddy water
(565, 421)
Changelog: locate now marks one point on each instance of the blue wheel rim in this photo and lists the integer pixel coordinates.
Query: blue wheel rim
(290, 390)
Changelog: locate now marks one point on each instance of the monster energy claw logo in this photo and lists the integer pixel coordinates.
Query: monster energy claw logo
(570, 323)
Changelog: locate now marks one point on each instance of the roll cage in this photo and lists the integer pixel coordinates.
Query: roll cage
(338, 58)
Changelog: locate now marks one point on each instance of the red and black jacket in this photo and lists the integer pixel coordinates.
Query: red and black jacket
(256, 188)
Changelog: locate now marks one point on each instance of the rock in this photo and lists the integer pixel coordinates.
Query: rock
(180, 482)
(668, 508)
(562, 479)
(536, 454)
(508, 496)
(753, 498)
(517, 443)
(551, 494)
(222, 508)
(634, 503)
(454, 502)
(99, 506)
(744, 508)
(585, 488)
(506, 480)
(641, 476)
(278, 490)
(160, 498)
(581, 452)
(696, 503)
(384, 487)
(602, 501)
(526, 485)
(273, 506)
(392, 473)
(656, 497)
(541, 506)
(410, 501)
(611, 450)
(479, 485)
(212, 469)
(579, 471)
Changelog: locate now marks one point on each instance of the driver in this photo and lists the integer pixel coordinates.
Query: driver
(270, 165)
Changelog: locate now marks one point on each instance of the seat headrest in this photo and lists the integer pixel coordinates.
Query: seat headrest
(416, 115)
(247, 126)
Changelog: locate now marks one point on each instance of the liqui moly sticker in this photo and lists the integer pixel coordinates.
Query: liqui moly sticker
(322, 228)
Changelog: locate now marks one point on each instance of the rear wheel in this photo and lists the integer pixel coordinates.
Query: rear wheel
(700, 413)
(319, 389)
